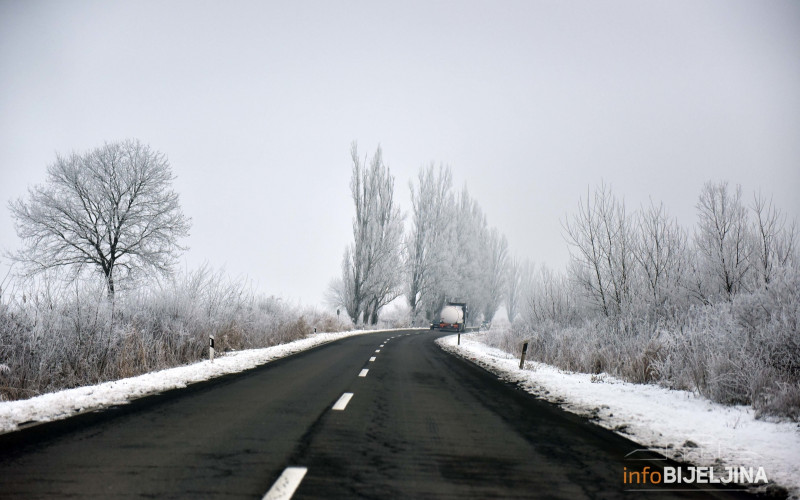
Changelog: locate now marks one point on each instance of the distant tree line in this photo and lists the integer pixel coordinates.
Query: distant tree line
(712, 309)
(644, 263)
(446, 251)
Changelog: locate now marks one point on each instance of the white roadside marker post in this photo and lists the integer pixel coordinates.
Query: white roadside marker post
(211, 348)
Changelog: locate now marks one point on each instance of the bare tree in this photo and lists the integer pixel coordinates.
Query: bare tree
(513, 287)
(469, 255)
(775, 242)
(519, 281)
(371, 270)
(584, 233)
(111, 209)
(723, 239)
(426, 244)
(548, 297)
(496, 272)
(660, 253)
(603, 265)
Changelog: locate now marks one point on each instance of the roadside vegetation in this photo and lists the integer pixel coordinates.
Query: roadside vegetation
(714, 310)
(96, 297)
(444, 250)
(57, 334)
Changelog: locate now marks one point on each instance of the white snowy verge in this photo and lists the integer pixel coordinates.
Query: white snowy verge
(677, 424)
(63, 404)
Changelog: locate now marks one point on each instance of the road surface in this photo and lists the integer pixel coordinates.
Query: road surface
(411, 421)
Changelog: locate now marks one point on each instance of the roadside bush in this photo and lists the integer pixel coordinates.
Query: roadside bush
(57, 336)
(742, 352)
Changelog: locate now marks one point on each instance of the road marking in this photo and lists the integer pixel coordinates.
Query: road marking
(363, 373)
(381, 345)
(377, 350)
(342, 403)
(286, 484)
(372, 359)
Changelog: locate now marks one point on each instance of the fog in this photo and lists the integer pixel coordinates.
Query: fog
(530, 103)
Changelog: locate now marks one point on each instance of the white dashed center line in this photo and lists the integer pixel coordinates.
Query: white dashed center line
(377, 350)
(286, 484)
(342, 403)
(372, 359)
(363, 373)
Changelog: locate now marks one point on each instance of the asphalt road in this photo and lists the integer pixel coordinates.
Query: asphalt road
(420, 423)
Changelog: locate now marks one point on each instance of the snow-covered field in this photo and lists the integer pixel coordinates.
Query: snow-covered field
(63, 404)
(678, 424)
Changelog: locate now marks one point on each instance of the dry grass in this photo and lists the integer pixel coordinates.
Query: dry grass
(66, 336)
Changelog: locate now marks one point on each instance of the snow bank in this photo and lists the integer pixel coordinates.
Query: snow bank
(63, 404)
(677, 424)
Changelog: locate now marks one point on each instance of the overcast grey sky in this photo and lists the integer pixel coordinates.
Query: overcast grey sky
(256, 104)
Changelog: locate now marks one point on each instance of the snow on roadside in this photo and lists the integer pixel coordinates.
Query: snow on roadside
(677, 424)
(63, 404)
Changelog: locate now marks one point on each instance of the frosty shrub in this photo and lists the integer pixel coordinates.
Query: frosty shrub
(746, 351)
(588, 347)
(62, 336)
(716, 314)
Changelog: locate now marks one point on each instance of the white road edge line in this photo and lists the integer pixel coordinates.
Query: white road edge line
(363, 373)
(342, 403)
(372, 359)
(285, 486)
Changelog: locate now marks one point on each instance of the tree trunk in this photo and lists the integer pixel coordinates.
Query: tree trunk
(110, 282)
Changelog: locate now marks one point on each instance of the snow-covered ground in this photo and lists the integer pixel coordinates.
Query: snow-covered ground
(63, 404)
(677, 424)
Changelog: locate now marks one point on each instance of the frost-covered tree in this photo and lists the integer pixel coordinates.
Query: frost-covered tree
(495, 273)
(514, 283)
(548, 297)
(775, 240)
(448, 254)
(723, 240)
(660, 252)
(111, 209)
(602, 263)
(470, 255)
(427, 243)
(371, 267)
(519, 282)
